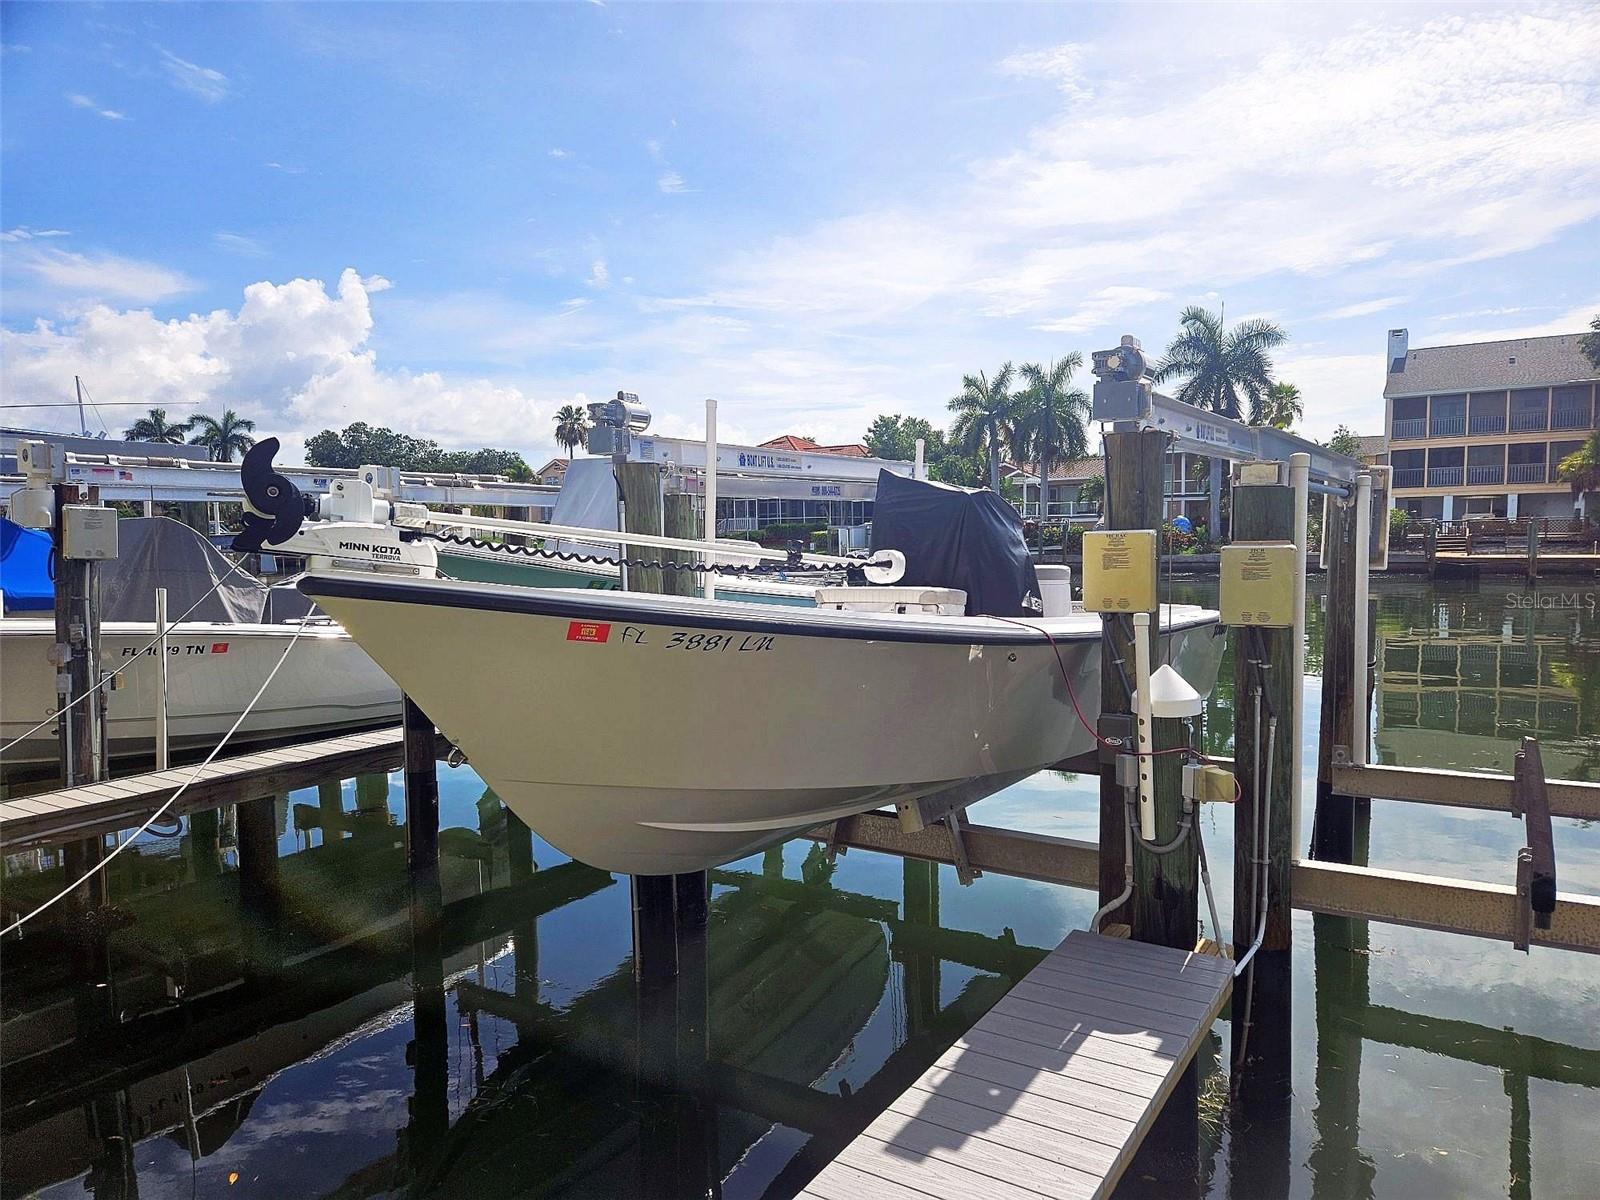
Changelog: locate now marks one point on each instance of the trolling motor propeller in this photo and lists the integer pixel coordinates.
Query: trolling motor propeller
(273, 507)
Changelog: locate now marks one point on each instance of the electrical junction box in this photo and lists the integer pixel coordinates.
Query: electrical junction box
(88, 531)
(1258, 584)
(1119, 570)
(1205, 783)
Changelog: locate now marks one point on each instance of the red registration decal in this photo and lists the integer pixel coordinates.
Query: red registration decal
(219, 647)
(588, 631)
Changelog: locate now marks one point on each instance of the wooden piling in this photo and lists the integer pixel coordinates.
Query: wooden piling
(1430, 547)
(77, 613)
(1335, 816)
(1264, 657)
(1533, 550)
(260, 896)
(680, 520)
(422, 822)
(1135, 483)
(641, 491)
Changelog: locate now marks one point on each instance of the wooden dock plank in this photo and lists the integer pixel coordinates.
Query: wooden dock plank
(1052, 1091)
(50, 818)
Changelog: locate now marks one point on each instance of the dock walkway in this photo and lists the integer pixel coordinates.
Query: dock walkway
(1051, 1093)
(49, 818)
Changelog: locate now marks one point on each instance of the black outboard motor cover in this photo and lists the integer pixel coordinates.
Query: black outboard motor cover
(958, 538)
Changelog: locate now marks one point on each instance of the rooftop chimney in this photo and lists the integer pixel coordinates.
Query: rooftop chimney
(1399, 341)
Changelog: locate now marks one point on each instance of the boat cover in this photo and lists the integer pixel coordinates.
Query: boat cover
(25, 568)
(157, 552)
(957, 538)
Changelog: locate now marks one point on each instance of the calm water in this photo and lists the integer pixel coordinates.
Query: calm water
(219, 1031)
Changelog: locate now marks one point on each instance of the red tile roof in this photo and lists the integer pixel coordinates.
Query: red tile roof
(804, 445)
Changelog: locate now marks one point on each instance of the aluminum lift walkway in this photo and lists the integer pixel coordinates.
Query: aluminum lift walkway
(1052, 1091)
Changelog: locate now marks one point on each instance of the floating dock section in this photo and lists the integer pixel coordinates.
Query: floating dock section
(1051, 1093)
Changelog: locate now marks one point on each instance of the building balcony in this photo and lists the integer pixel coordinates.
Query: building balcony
(1410, 429)
(1409, 477)
(1530, 422)
(1447, 426)
(1485, 476)
(1445, 476)
(1525, 473)
(1569, 418)
(1489, 423)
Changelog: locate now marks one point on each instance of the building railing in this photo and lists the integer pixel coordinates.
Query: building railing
(1409, 477)
(1525, 473)
(736, 525)
(1479, 476)
(1530, 422)
(1060, 510)
(1447, 426)
(1569, 418)
(1444, 476)
(1410, 429)
(1479, 424)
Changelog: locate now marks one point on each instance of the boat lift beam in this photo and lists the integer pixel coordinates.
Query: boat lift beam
(1198, 431)
(158, 479)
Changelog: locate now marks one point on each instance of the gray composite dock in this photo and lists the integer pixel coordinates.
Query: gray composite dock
(96, 808)
(1052, 1091)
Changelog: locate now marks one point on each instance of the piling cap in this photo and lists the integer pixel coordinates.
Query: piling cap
(1171, 695)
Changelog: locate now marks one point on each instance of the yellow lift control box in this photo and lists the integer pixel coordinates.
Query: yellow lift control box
(1119, 570)
(1258, 584)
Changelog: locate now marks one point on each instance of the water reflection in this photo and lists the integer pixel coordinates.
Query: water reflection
(252, 1006)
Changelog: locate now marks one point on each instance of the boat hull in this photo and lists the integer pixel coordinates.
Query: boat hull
(656, 735)
(326, 685)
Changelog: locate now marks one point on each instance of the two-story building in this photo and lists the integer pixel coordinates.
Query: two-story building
(1186, 489)
(1480, 428)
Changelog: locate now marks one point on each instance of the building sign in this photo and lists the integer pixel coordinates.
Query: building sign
(826, 489)
(767, 460)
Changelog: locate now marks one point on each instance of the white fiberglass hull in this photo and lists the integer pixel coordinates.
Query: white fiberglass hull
(327, 684)
(653, 734)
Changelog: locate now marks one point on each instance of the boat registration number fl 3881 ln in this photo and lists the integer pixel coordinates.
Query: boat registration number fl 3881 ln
(731, 725)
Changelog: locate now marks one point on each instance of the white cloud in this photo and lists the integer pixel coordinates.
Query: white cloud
(1102, 309)
(1062, 65)
(599, 274)
(205, 82)
(238, 243)
(24, 234)
(78, 100)
(1573, 320)
(1372, 146)
(1364, 308)
(671, 183)
(287, 170)
(292, 357)
(100, 276)
(558, 152)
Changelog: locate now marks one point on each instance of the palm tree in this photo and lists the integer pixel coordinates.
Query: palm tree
(1216, 364)
(984, 409)
(1280, 408)
(571, 426)
(222, 435)
(1589, 343)
(154, 427)
(1050, 421)
(1581, 468)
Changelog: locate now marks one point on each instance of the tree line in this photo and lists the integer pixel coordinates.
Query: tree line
(1034, 415)
(221, 436)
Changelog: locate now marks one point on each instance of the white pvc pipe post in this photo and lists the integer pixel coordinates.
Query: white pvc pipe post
(1358, 726)
(708, 588)
(1300, 480)
(918, 470)
(162, 760)
(1147, 783)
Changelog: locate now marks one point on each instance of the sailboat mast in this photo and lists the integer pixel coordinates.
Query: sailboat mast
(83, 421)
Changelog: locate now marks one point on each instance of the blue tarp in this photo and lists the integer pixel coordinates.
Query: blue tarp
(25, 568)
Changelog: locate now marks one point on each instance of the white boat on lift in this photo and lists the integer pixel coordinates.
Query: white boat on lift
(661, 734)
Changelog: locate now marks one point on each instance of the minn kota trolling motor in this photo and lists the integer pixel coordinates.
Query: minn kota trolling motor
(355, 527)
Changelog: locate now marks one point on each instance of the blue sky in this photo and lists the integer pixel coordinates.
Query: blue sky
(454, 218)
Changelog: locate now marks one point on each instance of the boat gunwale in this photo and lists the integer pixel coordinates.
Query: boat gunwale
(650, 609)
